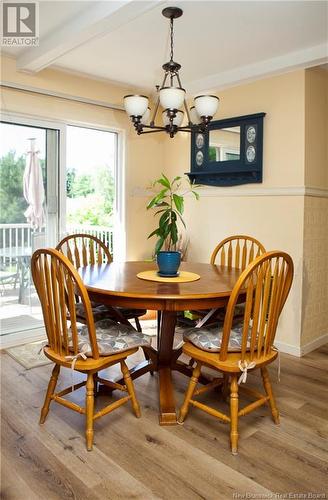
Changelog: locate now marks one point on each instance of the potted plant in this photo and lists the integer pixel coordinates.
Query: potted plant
(169, 206)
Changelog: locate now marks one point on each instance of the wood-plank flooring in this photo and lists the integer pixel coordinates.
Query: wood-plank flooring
(136, 458)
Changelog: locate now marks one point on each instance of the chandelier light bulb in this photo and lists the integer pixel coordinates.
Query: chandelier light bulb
(146, 117)
(177, 120)
(206, 105)
(171, 97)
(135, 105)
(194, 116)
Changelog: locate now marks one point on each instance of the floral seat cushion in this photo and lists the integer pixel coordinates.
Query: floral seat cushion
(100, 311)
(210, 339)
(112, 338)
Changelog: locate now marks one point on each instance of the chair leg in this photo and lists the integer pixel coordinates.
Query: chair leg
(234, 414)
(130, 388)
(137, 322)
(225, 386)
(89, 405)
(147, 358)
(269, 393)
(190, 391)
(191, 362)
(51, 389)
(95, 382)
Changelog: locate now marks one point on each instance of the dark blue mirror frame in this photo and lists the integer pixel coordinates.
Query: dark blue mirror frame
(246, 170)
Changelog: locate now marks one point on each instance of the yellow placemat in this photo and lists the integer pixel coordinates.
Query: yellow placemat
(183, 277)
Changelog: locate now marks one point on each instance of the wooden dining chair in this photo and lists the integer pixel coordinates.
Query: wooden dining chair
(234, 251)
(237, 251)
(83, 250)
(236, 350)
(96, 347)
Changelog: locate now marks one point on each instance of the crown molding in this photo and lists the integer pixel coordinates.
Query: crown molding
(59, 95)
(309, 57)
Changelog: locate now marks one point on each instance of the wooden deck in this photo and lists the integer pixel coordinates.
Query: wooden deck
(139, 459)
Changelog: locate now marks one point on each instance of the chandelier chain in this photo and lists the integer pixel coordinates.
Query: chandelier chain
(172, 40)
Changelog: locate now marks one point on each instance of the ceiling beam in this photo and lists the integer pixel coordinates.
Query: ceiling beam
(99, 19)
(306, 58)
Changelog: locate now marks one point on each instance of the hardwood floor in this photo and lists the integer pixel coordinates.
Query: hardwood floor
(136, 458)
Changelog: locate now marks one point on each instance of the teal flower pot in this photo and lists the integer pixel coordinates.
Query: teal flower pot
(168, 263)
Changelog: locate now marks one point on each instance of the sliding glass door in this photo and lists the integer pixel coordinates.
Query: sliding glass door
(91, 157)
(54, 179)
(29, 218)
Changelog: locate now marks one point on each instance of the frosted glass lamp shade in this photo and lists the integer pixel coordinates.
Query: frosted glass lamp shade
(145, 117)
(135, 105)
(206, 105)
(194, 116)
(171, 97)
(177, 120)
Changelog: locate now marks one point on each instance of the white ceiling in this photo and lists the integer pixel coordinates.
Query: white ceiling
(217, 42)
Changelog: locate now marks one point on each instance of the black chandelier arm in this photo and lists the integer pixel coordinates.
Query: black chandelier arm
(152, 131)
(152, 121)
(187, 111)
(157, 103)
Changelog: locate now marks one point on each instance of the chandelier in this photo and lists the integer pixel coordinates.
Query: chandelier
(171, 97)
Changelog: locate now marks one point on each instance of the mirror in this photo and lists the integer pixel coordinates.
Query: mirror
(228, 152)
(224, 144)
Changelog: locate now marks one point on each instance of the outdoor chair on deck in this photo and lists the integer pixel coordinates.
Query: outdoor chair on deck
(235, 350)
(96, 347)
(83, 250)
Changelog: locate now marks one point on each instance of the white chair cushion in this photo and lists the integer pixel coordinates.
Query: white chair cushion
(210, 339)
(111, 338)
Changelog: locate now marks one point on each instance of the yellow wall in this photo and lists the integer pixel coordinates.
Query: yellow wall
(143, 158)
(316, 128)
(315, 258)
(277, 221)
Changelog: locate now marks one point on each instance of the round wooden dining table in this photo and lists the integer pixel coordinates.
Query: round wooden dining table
(117, 284)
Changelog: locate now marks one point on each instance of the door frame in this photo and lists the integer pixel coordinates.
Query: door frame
(56, 186)
(119, 250)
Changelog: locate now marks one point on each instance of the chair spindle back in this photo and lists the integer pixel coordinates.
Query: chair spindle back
(84, 249)
(237, 251)
(58, 284)
(266, 283)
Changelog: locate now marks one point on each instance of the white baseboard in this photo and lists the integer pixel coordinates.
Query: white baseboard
(300, 351)
(19, 338)
(294, 350)
(314, 344)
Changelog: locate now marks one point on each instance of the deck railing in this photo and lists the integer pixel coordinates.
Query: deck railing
(13, 236)
(104, 233)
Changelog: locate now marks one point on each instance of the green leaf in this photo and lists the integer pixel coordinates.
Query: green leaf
(166, 231)
(165, 182)
(157, 199)
(160, 211)
(153, 233)
(196, 195)
(179, 203)
(183, 222)
(177, 178)
(164, 218)
(174, 233)
(159, 244)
